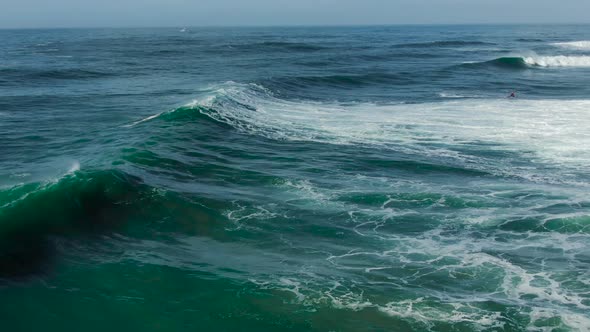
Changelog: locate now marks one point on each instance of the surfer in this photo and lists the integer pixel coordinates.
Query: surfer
(512, 94)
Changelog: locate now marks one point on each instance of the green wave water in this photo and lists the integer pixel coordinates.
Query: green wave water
(294, 179)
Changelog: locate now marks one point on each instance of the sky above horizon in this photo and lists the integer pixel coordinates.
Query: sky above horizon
(130, 13)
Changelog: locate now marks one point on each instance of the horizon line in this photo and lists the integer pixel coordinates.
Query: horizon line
(292, 25)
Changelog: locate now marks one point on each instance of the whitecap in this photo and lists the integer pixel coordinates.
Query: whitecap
(74, 168)
(554, 131)
(558, 61)
(577, 45)
(151, 117)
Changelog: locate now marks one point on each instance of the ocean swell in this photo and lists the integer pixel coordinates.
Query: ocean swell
(36, 75)
(526, 62)
(431, 130)
(343, 81)
(79, 202)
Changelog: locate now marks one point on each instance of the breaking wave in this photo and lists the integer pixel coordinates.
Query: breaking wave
(431, 130)
(576, 45)
(524, 62)
(558, 61)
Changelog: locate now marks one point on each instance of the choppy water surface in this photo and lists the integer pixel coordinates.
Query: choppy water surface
(291, 179)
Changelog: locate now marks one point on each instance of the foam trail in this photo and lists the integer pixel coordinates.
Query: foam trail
(558, 61)
(144, 120)
(576, 45)
(553, 129)
(74, 168)
(450, 95)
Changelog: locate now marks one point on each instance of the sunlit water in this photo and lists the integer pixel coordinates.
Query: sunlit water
(291, 179)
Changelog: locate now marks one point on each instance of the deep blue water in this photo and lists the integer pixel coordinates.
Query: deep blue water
(303, 178)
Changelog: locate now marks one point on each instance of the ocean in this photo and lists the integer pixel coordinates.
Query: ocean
(295, 179)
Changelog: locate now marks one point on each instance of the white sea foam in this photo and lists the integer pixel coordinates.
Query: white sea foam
(577, 45)
(450, 95)
(243, 217)
(151, 117)
(456, 257)
(370, 278)
(427, 315)
(549, 131)
(74, 168)
(569, 321)
(20, 175)
(433, 256)
(558, 61)
(553, 131)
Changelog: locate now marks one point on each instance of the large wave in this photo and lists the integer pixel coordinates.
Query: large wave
(452, 130)
(79, 202)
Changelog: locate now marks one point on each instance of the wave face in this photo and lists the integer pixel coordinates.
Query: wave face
(510, 62)
(78, 202)
(295, 179)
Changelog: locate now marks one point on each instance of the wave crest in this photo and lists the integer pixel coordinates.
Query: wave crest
(428, 130)
(558, 61)
(524, 62)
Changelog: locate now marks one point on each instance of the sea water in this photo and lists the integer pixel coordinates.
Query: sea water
(295, 179)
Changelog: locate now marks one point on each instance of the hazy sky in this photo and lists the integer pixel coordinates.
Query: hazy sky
(120, 13)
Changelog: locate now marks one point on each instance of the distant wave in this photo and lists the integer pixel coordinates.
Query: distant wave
(529, 40)
(278, 46)
(519, 62)
(508, 62)
(29, 74)
(451, 95)
(445, 43)
(577, 45)
(341, 81)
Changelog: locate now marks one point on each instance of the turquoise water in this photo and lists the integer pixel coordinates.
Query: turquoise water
(295, 179)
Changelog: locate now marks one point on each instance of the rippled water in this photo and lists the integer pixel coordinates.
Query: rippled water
(329, 179)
